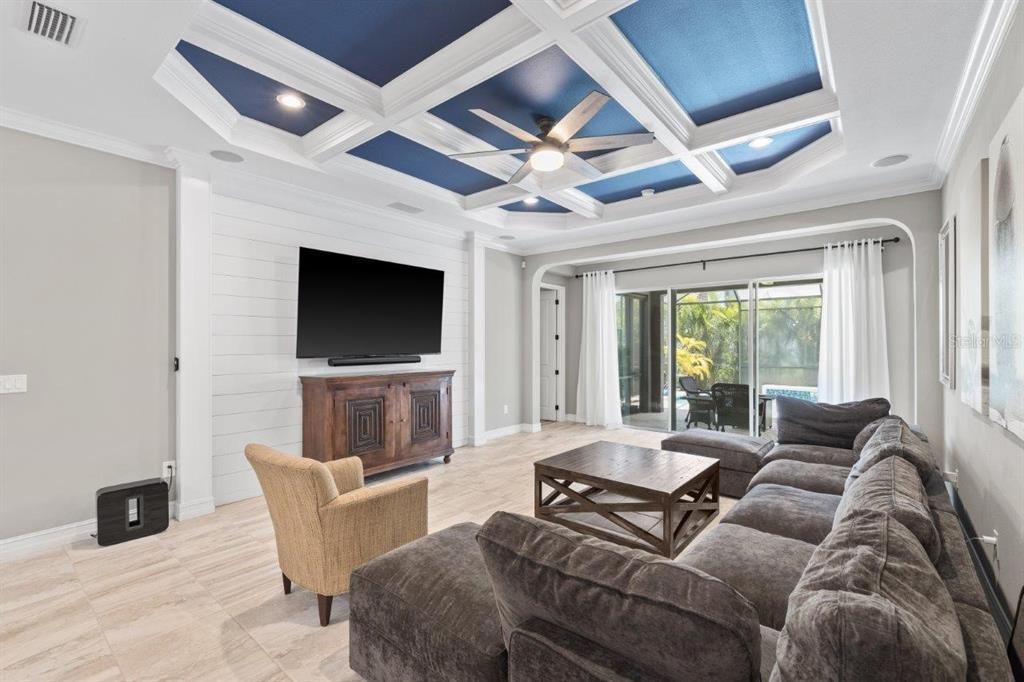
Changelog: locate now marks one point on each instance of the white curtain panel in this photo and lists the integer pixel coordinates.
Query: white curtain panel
(597, 393)
(853, 362)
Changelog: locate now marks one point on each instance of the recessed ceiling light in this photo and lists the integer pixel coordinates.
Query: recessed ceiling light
(290, 100)
(760, 142)
(546, 158)
(893, 160)
(530, 201)
(225, 155)
(507, 237)
(647, 192)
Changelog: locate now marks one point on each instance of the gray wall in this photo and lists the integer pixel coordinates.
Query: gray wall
(990, 459)
(85, 311)
(898, 266)
(503, 294)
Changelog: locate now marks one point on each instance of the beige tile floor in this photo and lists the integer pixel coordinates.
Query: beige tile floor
(203, 600)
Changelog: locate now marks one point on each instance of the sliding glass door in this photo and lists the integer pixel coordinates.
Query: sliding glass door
(717, 357)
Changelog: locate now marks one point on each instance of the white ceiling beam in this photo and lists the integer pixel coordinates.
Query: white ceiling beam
(796, 112)
(578, 202)
(232, 36)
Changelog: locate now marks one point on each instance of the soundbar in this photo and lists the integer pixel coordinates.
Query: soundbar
(350, 360)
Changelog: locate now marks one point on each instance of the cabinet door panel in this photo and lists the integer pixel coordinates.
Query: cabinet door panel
(364, 420)
(425, 422)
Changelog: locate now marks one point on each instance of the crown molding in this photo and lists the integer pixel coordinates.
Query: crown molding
(988, 39)
(179, 78)
(234, 37)
(819, 37)
(326, 140)
(578, 202)
(54, 130)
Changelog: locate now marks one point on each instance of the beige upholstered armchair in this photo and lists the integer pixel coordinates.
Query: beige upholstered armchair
(326, 523)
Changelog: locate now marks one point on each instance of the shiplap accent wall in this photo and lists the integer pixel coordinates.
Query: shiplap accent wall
(256, 390)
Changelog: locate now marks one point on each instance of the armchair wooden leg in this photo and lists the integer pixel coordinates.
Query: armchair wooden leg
(287, 583)
(324, 602)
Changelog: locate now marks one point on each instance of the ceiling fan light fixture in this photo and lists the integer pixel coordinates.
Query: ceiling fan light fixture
(546, 158)
(760, 142)
(290, 100)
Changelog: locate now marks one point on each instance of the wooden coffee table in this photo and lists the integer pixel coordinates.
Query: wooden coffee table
(637, 497)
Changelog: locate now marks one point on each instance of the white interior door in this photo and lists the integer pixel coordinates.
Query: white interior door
(548, 355)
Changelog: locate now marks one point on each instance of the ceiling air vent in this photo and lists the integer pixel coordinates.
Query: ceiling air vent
(405, 208)
(50, 23)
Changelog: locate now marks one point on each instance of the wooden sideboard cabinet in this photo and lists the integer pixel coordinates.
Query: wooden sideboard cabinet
(387, 420)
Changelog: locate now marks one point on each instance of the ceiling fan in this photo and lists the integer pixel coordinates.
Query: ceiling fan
(554, 146)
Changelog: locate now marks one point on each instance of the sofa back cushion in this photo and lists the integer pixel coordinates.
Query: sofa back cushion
(865, 434)
(870, 606)
(678, 621)
(892, 438)
(836, 426)
(893, 487)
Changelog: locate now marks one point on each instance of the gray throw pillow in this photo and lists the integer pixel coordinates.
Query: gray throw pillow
(865, 434)
(871, 606)
(678, 621)
(893, 438)
(836, 426)
(893, 487)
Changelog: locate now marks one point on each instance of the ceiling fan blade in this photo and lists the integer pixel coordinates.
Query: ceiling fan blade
(523, 171)
(489, 152)
(582, 166)
(590, 144)
(511, 129)
(578, 117)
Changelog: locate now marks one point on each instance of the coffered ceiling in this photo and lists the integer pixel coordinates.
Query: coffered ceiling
(387, 89)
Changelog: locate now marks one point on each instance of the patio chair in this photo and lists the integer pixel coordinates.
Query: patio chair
(690, 387)
(700, 408)
(732, 405)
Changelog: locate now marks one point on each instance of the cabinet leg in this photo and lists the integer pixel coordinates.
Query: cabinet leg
(323, 601)
(447, 458)
(287, 583)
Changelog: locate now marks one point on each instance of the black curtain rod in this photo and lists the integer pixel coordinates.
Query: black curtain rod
(704, 261)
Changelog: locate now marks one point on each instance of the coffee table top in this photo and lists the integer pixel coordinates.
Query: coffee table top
(617, 466)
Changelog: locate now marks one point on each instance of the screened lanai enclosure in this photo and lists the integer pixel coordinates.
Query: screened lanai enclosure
(717, 357)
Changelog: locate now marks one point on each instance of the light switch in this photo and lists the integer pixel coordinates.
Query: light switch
(14, 383)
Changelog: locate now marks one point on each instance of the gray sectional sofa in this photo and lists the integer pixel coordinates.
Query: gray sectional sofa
(847, 567)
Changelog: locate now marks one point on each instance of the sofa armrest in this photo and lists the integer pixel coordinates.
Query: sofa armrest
(347, 473)
(367, 522)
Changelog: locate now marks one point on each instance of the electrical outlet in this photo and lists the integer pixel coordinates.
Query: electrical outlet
(170, 468)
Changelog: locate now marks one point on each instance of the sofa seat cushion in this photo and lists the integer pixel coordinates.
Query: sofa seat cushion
(732, 450)
(893, 487)
(870, 606)
(430, 604)
(789, 512)
(812, 454)
(635, 604)
(986, 654)
(837, 426)
(762, 567)
(895, 438)
(818, 478)
(769, 640)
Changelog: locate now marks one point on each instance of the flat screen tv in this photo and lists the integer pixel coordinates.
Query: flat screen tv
(351, 307)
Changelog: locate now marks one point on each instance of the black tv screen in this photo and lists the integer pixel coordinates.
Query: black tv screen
(351, 306)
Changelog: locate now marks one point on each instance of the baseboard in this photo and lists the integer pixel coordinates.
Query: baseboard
(190, 510)
(40, 541)
(530, 428)
(511, 430)
(573, 418)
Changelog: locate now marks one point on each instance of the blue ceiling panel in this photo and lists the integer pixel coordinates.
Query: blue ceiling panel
(745, 159)
(375, 39)
(403, 155)
(547, 84)
(671, 175)
(719, 59)
(542, 206)
(254, 95)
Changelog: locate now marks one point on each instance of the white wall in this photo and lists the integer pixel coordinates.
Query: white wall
(503, 338)
(990, 459)
(256, 389)
(86, 251)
